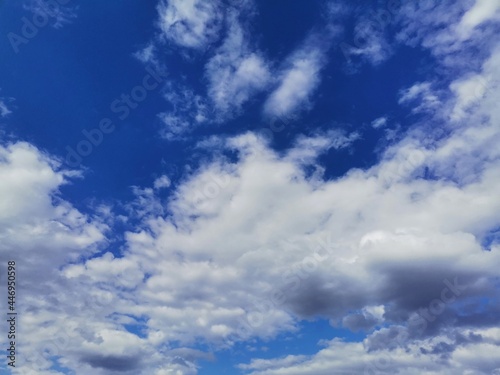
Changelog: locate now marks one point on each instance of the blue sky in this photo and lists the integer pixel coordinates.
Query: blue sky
(251, 187)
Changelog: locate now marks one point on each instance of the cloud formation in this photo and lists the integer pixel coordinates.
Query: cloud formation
(256, 240)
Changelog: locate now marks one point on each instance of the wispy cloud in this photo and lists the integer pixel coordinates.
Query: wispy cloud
(422, 95)
(298, 79)
(190, 23)
(4, 110)
(188, 111)
(379, 122)
(58, 14)
(237, 71)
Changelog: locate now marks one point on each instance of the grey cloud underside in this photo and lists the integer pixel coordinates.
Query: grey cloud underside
(113, 363)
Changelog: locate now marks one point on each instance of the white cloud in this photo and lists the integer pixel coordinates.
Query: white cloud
(307, 149)
(379, 122)
(423, 95)
(147, 54)
(298, 80)
(354, 358)
(162, 182)
(481, 11)
(370, 41)
(4, 110)
(190, 23)
(41, 232)
(447, 342)
(450, 30)
(472, 88)
(236, 72)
